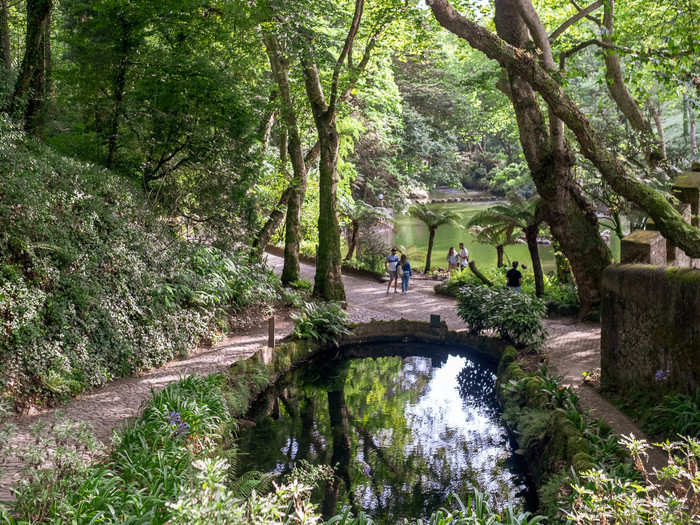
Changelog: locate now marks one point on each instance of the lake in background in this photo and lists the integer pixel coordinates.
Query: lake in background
(411, 236)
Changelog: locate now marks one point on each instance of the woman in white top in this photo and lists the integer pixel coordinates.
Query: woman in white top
(452, 259)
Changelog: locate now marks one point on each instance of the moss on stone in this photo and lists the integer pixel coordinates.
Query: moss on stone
(582, 461)
(510, 354)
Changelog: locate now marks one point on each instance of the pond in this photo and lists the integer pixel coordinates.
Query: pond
(412, 236)
(404, 431)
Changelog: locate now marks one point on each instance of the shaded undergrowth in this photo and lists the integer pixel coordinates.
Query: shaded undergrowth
(94, 284)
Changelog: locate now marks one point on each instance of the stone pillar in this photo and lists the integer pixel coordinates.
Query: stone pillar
(644, 247)
(686, 188)
(674, 256)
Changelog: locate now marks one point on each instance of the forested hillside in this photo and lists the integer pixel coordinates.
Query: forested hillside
(95, 283)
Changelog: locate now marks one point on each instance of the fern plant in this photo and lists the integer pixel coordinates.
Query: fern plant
(326, 323)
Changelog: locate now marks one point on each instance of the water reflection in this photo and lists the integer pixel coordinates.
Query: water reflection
(402, 433)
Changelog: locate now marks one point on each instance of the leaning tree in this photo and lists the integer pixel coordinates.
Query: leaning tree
(550, 157)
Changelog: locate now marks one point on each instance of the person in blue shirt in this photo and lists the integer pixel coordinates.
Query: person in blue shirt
(391, 264)
(405, 273)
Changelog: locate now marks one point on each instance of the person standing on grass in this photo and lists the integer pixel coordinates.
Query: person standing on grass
(405, 273)
(391, 264)
(514, 278)
(452, 259)
(463, 256)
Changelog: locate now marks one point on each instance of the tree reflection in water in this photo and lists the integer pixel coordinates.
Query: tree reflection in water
(402, 433)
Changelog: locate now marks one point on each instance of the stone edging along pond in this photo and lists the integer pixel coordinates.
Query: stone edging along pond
(556, 445)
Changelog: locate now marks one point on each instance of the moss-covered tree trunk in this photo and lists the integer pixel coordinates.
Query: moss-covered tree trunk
(571, 218)
(429, 255)
(532, 246)
(5, 52)
(31, 82)
(328, 282)
(292, 234)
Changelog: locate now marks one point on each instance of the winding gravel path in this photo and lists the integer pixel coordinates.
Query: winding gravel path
(572, 348)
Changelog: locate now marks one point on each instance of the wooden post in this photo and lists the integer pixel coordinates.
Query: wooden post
(271, 332)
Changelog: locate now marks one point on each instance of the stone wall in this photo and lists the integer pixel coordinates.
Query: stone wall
(650, 336)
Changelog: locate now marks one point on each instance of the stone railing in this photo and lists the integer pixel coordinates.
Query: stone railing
(650, 308)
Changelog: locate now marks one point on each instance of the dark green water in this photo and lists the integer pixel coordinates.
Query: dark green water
(403, 432)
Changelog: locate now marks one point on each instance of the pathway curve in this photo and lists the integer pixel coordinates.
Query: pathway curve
(571, 349)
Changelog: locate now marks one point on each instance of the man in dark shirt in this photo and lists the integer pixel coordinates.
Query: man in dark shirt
(515, 278)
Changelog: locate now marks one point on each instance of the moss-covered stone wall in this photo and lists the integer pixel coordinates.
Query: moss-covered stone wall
(650, 335)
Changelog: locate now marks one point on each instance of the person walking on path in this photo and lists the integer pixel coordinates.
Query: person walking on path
(405, 273)
(514, 278)
(463, 256)
(452, 259)
(391, 264)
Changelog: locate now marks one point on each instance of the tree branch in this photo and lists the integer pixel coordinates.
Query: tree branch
(347, 47)
(588, 16)
(582, 13)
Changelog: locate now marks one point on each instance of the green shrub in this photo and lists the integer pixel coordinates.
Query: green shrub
(322, 322)
(517, 317)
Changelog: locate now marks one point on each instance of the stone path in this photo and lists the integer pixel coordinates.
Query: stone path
(571, 349)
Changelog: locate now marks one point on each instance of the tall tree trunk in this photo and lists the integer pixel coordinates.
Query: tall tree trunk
(353, 239)
(499, 255)
(32, 76)
(292, 235)
(118, 93)
(532, 246)
(328, 283)
(429, 255)
(5, 51)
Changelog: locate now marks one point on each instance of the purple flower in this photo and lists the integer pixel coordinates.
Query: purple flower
(175, 419)
(662, 375)
(180, 427)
